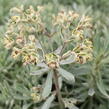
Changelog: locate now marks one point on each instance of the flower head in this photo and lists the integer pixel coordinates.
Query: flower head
(21, 34)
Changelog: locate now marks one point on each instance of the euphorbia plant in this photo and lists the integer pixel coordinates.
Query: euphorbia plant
(29, 39)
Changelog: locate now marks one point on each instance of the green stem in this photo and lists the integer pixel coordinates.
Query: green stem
(61, 105)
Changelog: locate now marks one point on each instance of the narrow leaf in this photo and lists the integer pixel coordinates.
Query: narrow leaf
(48, 85)
(60, 82)
(41, 64)
(20, 97)
(102, 89)
(73, 107)
(58, 50)
(69, 59)
(48, 102)
(39, 72)
(67, 75)
(38, 44)
(26, 106)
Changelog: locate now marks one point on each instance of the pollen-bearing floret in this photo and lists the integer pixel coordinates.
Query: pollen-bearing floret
(52, 60)
(64, 19)
(84, 51)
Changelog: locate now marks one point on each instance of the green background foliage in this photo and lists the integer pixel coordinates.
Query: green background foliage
(93, 77)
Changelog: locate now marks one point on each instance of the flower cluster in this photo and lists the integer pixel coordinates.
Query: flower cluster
(64, 19)
(84, 51)
(35, 95)
(83, 47)
(21, 34)
(83, 25)
(52, 60)
(25, 26)
(73, 29)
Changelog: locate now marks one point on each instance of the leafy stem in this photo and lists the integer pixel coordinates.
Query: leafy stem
(61, 105)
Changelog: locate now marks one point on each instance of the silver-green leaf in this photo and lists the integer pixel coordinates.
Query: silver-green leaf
(67, 75)
(48, 102)
(60, 82)
(70, 59)
(102, 88)
(48, 85)
(39, 72)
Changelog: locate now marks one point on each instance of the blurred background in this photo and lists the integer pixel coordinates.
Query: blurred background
(92, 78)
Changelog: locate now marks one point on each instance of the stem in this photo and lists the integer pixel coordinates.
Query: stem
(61, 105)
